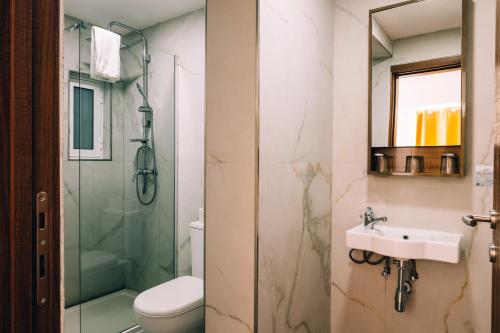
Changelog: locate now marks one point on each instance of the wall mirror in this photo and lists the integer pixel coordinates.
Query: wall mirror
(417, 88)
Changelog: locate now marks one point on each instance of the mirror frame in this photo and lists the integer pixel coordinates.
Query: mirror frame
(431, 154)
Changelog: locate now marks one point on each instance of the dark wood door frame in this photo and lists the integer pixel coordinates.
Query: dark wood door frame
(29, 160)
(495, 305)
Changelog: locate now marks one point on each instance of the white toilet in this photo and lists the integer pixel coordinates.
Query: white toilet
(176, 306)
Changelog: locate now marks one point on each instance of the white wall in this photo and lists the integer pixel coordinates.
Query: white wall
(447, 297)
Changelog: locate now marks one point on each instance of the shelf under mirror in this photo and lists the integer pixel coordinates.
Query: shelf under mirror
(430, 159)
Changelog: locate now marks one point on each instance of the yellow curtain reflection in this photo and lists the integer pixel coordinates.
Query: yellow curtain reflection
(420, 129)
(438, 127)
(453, 119)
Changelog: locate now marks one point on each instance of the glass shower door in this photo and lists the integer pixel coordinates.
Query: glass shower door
(125, 247)
(115, 246)
(101, 203)
(71, 182)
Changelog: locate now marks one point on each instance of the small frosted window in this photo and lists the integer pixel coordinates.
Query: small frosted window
(86, 121)
(83, 118)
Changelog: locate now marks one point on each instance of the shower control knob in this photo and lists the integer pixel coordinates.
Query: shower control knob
(493, 251)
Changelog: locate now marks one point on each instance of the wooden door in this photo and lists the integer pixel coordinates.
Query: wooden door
(29, 162)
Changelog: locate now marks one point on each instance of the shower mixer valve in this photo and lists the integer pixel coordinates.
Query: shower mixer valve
(144, 172)
(145, 109)
(141, 140)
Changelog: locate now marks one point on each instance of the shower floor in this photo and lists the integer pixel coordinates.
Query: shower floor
(112, 313)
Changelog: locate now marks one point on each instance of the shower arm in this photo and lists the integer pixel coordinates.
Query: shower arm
(146, 57)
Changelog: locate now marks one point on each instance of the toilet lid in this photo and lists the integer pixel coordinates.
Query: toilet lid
(171, 298)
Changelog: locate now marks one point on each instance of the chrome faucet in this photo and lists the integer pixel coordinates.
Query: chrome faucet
(370, 220)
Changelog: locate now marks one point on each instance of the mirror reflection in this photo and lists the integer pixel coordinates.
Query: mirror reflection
(416, 87)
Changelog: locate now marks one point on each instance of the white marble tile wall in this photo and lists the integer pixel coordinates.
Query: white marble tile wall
(447, 297)
(185, 37)
(153, 261)
(295, 145)
(177, 45)
(231, 166)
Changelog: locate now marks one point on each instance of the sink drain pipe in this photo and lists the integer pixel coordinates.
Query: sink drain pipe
(403, 290)
(407, 272)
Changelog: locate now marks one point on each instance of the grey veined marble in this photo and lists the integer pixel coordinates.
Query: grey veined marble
(296, 86)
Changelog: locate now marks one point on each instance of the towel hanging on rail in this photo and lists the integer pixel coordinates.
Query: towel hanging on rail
(105, 55)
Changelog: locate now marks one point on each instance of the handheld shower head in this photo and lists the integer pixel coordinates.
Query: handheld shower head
(141, 91)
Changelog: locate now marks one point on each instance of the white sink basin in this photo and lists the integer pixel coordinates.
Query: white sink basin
(420, 243)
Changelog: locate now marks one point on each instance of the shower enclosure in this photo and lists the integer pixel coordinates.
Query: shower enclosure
(119, 184)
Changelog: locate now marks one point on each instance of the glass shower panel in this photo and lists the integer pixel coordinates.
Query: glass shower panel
(152, 240)
(125, 247)
(101, 204)
(71, 189)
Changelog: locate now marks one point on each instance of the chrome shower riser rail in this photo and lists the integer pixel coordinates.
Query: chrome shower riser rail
(146, 59)
(147, 124)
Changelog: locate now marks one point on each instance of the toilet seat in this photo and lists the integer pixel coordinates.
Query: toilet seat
(171, 298)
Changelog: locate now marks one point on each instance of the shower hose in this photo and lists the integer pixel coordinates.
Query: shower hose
(146, 176)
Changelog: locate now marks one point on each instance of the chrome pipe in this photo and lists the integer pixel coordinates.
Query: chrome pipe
(146, 59)
(147, 121)
(76, 26)
(404, 288)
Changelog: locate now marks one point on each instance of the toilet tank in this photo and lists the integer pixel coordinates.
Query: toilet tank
(197, 246)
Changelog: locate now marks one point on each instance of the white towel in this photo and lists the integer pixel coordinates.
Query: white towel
(105, 55)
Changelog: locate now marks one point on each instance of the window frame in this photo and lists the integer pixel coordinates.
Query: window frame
(415, 68)
(98, 122)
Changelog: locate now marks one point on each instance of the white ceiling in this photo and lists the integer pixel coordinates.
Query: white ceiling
(420, 18)
(136, 13)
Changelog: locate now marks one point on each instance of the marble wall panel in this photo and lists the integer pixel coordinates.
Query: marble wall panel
(295, 147)
(231, 166)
